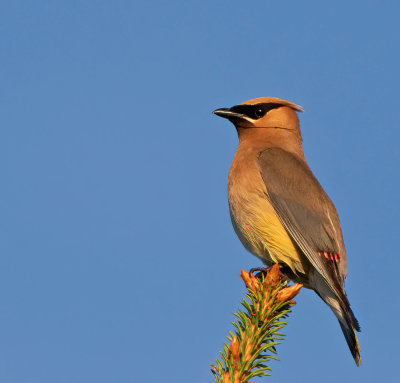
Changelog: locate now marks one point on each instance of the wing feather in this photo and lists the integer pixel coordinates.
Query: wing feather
(306, 212)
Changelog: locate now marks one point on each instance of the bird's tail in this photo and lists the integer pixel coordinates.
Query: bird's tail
(347, 320)
(351, 339)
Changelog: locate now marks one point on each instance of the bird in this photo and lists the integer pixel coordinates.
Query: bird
(279, 210)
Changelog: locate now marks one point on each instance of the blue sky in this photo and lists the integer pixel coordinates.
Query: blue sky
(118, 260)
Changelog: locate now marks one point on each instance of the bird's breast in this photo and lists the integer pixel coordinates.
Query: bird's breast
(254, 218)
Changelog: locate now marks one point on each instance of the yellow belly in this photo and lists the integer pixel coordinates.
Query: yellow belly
(258, 226)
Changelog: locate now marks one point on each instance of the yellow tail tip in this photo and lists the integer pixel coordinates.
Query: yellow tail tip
(357, 356)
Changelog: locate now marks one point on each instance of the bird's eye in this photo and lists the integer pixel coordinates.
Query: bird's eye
(259, 112)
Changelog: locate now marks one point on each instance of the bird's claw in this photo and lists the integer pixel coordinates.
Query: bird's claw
(261, 270)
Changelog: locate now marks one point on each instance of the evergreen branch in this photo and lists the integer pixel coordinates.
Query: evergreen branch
(267, 302)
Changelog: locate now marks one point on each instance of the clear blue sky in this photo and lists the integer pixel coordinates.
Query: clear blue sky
(118, 261)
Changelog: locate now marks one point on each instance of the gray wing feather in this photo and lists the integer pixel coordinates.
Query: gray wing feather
(305, 211)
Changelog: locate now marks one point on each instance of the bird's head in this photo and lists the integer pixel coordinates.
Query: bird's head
(263, 112)
(266, 122)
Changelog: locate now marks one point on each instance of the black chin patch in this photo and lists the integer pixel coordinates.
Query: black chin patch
(255, 111)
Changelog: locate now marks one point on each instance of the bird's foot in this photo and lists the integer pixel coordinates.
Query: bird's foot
(260, 270)
(283, 272)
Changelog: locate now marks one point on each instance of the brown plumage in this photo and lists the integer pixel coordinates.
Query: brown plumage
(279, 210)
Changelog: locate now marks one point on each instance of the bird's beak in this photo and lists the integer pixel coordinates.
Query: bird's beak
(227, 113)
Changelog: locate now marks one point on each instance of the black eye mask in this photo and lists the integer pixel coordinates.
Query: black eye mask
(255, 111)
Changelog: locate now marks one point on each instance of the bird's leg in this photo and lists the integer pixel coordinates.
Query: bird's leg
(284, 271)
(260, 269)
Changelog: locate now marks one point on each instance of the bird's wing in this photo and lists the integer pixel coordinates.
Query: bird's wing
(307, 213)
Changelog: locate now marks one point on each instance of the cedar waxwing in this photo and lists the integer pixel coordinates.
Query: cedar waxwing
(278, 209)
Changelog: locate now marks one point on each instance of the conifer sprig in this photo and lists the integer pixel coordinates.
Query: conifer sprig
(257, 327)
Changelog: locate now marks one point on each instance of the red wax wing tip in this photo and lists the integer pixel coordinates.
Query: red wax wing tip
(335, 257)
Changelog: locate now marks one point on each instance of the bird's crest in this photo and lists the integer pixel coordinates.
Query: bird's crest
(273, 100)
